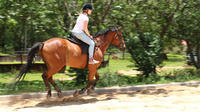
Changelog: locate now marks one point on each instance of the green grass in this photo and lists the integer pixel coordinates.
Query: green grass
(33, 82)
(114, 79)
(119, 64)
(9, 77)
(109, 77)
(175, 60)
(3, 54)
(11, 62)
(17, 62)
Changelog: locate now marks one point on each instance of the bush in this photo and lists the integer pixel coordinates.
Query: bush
(183, 75)
(81, 75)
(146, 51)
(152, 78)
(108, 79)
(114, 79)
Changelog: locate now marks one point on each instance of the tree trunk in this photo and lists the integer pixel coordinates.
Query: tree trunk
(198, 56)
(2, 30)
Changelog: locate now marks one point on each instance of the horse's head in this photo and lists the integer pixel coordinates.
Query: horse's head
(118, 39)
(112, 35)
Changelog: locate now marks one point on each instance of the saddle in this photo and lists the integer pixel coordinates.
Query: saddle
(82, 44)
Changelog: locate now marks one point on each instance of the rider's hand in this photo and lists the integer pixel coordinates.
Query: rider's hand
(91, 36)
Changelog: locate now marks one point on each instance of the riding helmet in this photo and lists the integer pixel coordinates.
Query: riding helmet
(87, 6)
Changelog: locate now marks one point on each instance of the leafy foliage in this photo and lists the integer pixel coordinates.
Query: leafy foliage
(24, 22)
(81, 75)
(146, 53)
(108, 77)
(186, 27)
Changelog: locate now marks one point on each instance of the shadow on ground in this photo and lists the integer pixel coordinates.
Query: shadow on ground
(96, 97)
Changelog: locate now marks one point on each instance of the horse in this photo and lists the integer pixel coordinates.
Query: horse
(58, 52)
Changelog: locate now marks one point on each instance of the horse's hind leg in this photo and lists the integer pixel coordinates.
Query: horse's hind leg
(51, 71)
(46, 82)
(56, 87)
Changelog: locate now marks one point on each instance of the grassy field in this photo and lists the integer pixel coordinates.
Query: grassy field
(175, 60)
(17, 62)
(3, 54)
(109, 76)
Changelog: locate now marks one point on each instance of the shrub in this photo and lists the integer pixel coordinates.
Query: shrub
(81, 75)
(108, 79)
(146, 51)
(152, 78)
(183, 75)
(114, 79)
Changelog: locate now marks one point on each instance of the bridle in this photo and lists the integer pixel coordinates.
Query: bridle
(120, 38)
(117, 35)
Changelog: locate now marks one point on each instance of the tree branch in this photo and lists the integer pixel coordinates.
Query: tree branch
(69, 14)
(96, 18)
(170, 20)
(141, 35)
(106, 12)
(39, 1)
(62, 26)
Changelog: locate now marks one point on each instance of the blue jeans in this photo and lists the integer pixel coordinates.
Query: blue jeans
(87, 40)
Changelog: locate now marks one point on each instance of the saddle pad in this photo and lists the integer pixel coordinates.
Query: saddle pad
(83, 45)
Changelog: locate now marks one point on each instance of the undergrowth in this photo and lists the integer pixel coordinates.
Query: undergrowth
(107, 79)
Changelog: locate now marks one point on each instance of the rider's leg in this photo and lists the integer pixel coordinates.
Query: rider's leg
(90, 42)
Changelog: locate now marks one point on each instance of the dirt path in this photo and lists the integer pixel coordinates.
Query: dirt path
(174, 98)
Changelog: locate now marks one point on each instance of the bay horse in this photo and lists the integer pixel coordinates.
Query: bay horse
(58, 52)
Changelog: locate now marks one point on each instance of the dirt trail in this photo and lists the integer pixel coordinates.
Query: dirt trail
(174, 98)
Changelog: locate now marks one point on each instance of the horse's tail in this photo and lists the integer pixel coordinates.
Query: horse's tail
(35, 48)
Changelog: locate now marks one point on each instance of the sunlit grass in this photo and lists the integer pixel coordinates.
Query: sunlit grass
(175, 60)
(3, 54)
(9, 77)
(116, 65)
(33, 82)
(17, 62)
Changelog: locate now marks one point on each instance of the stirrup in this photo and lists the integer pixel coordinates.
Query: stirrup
(93, 62)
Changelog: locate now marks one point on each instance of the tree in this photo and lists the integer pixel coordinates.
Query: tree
(146, 53)
(146, 25)
(162, 22)
(186, 27)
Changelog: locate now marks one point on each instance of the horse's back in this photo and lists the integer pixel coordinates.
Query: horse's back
(62, 51)
(56, 40)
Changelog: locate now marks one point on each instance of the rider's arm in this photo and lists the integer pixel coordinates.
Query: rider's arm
(86, 28)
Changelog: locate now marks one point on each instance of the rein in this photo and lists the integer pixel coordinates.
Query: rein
(120, 38)
(100, 42)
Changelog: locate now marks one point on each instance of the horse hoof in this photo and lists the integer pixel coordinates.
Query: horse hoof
(89, 91)
(76, 93)
(60, 95)
(48, 96)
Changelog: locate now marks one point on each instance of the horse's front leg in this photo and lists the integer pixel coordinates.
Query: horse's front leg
(91, 89)
(95, 83)
(92, 72)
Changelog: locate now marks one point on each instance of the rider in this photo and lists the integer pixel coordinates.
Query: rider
(80, 30)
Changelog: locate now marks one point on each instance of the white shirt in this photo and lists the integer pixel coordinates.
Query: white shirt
(78, 28)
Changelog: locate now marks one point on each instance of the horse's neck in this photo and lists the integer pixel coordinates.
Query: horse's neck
(103, 42)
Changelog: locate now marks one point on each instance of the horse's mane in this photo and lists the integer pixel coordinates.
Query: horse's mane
(104, 32)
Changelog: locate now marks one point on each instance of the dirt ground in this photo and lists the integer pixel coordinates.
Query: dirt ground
(174, 98)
